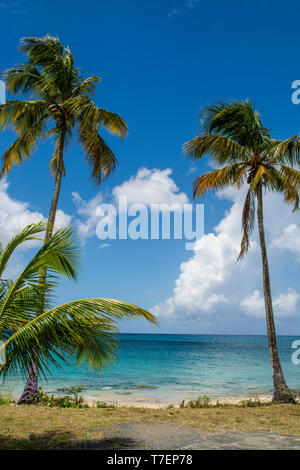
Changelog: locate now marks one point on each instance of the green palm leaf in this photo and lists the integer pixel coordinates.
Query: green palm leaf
(58, 93)
(85, 328)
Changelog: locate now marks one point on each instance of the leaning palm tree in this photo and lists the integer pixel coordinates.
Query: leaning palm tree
(245, 153)
(85, 328)
(59, 106)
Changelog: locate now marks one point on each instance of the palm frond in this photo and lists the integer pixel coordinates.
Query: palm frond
(82, 327)
(87, 86)
(62, 96)
(23, 79)
(291, 185)
(221, 178)
(23, 147)
(283, 151)
(99, 156)
(21, 115)
(85, 328)
(91, 116)
(59, 255)
(248, 219)
(237, 120)
(221, 148)
(27, 234)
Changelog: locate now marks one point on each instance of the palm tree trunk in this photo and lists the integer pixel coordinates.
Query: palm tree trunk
(30, 392)
(281, 392)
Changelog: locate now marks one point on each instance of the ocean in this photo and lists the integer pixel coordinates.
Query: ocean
(169, 368)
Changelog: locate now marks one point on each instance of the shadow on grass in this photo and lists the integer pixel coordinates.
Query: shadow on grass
(51, 440)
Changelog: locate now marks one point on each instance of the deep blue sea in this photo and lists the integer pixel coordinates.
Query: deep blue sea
(162, 368)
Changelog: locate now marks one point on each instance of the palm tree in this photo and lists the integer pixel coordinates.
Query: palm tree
(59, 106)
(245, 153)
(84, 327)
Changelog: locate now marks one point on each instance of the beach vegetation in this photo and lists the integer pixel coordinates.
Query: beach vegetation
(103, 404)
(205, 402)
(5, 399)
(71, 399)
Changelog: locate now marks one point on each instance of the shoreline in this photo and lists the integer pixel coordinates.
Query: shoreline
(149, 403)
(139, 400)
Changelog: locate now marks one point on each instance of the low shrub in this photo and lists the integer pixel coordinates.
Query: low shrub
(70, 399)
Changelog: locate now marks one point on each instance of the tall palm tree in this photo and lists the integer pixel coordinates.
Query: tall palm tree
(59, 106)
(84, 327)
(245, 153)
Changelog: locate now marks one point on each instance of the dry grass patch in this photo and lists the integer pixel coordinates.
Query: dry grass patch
(35, 427)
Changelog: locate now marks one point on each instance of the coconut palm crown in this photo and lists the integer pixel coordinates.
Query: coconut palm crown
(245, 154)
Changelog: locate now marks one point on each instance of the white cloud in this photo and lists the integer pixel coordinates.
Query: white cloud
(253, 305)
(62, 219)
(87, 211)
(192, 169)
(15, 215)
(199, 288)
(284, 305)
(104, 245)
(287, 305)
(212, 282)
(289, 239)
(151, 187)
(146, 187)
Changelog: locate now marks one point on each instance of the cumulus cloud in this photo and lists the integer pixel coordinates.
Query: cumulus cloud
(87, 211)
(289, 239)
(62, 219)
(284, 305)
(151, 187)
(211, 281)
(147, 187)
(15, 215)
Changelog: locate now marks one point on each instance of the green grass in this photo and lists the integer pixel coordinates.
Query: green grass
(5, 399)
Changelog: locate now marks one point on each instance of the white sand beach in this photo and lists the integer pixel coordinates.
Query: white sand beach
(145, 402)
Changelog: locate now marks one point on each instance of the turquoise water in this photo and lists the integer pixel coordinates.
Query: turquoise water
(175, 367)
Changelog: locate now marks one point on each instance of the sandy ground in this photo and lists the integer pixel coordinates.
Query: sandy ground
(145, 402)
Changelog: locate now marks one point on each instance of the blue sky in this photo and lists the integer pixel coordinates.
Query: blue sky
(160, 62)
